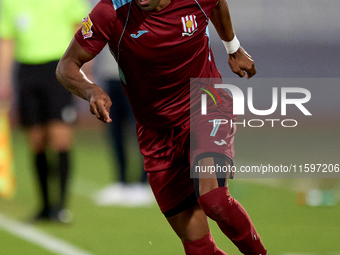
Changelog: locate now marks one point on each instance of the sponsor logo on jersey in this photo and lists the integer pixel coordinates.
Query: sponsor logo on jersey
(189, 25)
(86, 26)
(139, 33)
(220, 143)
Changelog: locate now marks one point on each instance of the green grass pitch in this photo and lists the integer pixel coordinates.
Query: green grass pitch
(284, 227)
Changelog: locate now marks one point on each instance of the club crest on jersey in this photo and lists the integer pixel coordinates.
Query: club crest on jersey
(86, 26)
(189, 25)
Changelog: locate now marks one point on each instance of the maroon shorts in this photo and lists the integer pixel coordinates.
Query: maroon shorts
(167, 154)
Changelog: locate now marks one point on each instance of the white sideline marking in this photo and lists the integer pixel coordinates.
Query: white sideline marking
(297, 254)
(39, 237)
(294, 253)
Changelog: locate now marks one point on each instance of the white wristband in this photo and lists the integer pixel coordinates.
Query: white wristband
(232, 46)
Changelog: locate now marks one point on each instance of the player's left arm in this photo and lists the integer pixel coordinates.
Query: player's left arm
(239, 60)
(6, 68)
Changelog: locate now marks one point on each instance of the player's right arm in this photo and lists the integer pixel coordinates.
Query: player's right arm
(69, 74)
(87, 43)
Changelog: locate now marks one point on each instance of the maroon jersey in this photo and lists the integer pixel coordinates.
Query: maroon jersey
(157, 53)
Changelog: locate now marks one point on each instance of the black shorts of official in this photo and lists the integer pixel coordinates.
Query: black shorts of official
(41, 98)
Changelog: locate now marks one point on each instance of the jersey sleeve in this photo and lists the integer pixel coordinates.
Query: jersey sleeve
(97, 27)
(7, 26)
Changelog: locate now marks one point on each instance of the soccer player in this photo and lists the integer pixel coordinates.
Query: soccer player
(159, 45)
(35, 34)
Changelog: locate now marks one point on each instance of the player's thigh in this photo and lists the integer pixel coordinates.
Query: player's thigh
(191, 224)
(37, 138)
(59, 135)
(211, 161)
(207, 181)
